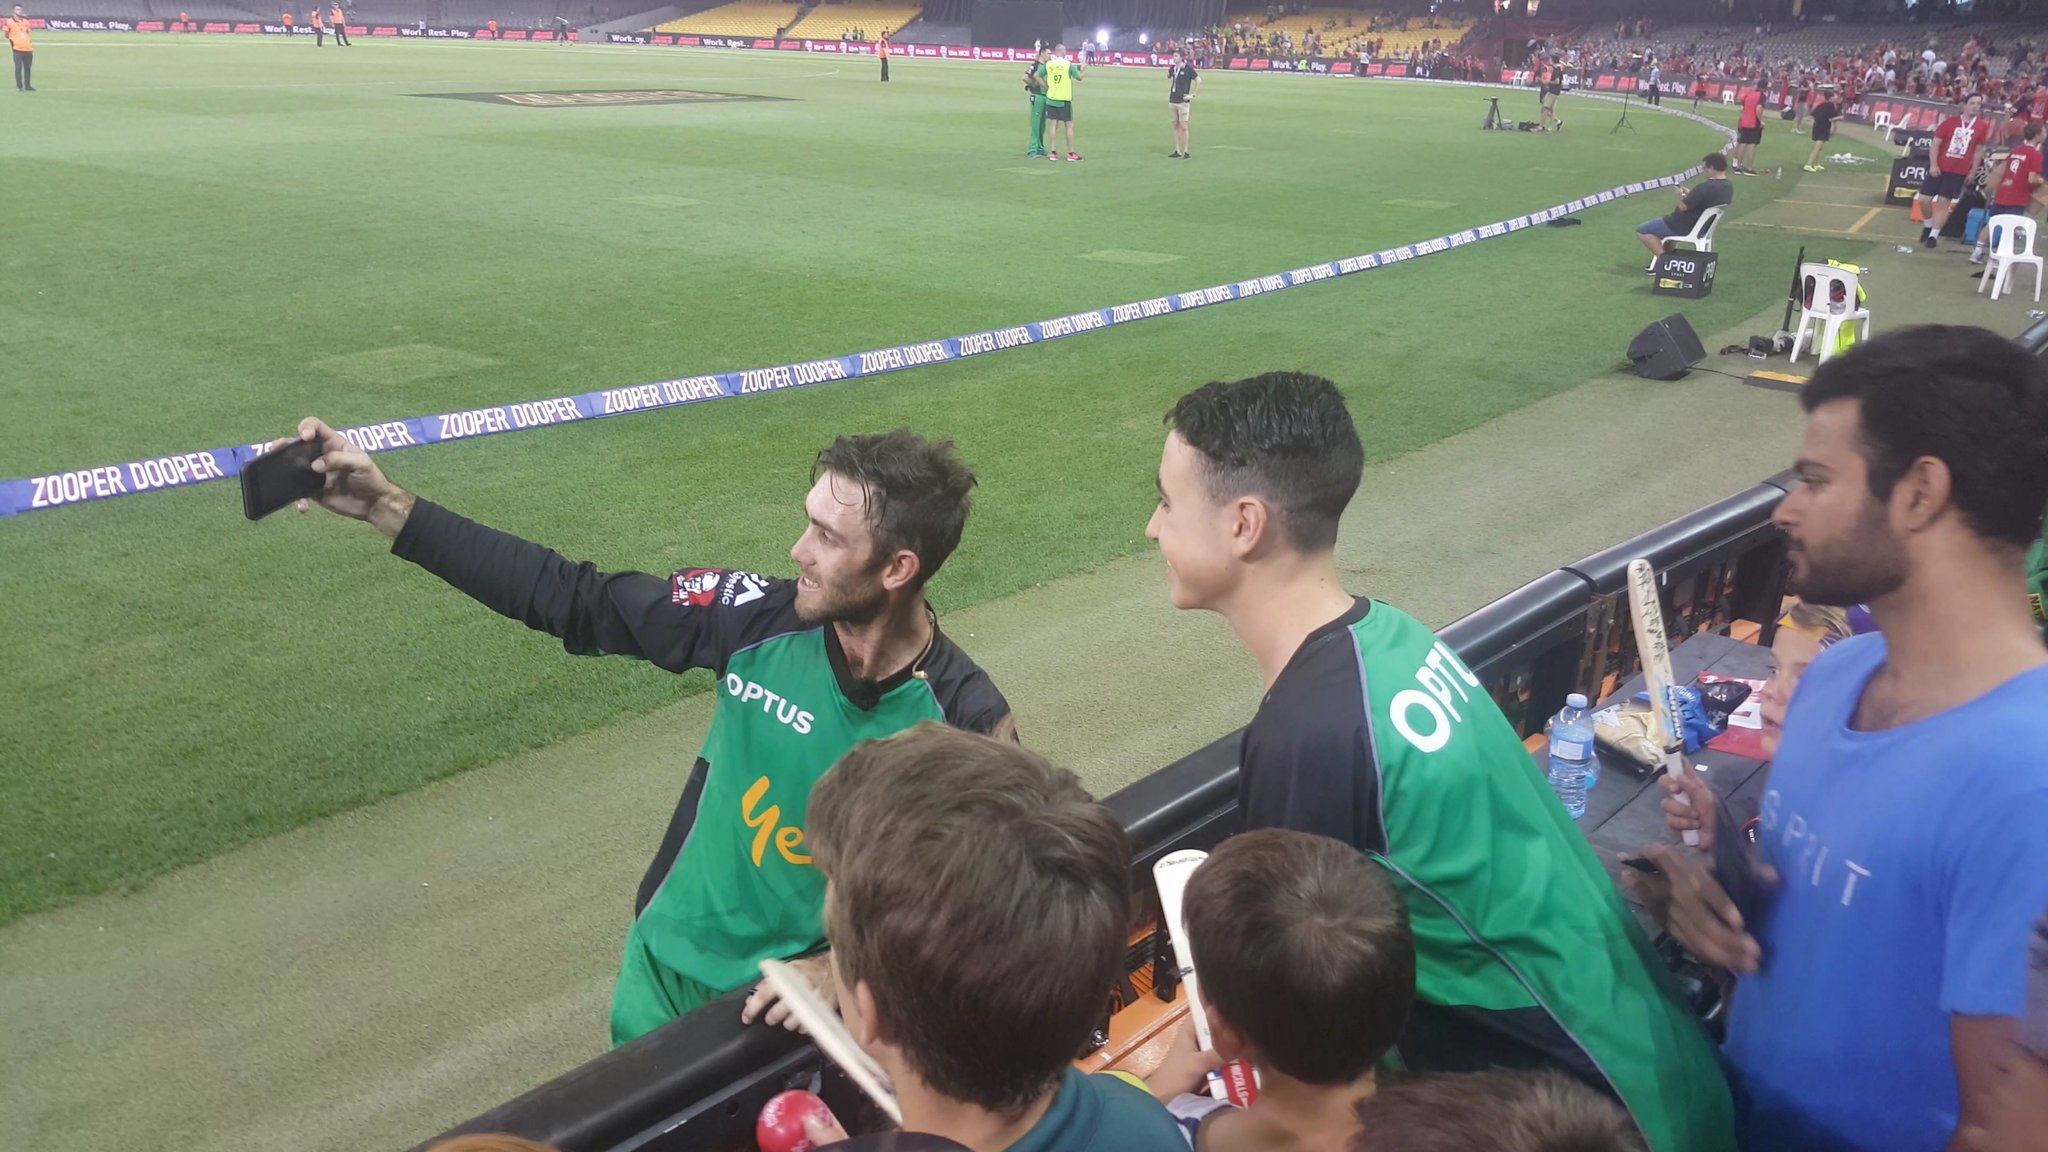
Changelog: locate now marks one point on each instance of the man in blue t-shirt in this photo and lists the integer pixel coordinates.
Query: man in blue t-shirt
(1902, 828)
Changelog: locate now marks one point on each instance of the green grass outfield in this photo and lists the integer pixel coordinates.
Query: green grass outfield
(208, 238)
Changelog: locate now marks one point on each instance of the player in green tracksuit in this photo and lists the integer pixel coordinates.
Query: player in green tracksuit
(804, 669)
(1034, 87)
(1373, 732)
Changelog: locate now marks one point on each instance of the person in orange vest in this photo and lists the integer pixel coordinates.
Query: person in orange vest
(16, 28)
(337, 24)
(319, 27)
(492, 27)
(287, 21)
(882, 50)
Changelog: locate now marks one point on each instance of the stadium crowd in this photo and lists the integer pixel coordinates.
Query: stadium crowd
(2010, 75)
(1409, 939)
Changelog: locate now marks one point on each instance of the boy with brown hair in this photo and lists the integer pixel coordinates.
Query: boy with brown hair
(1496, 1111)
(978, 904)
(1307, 966)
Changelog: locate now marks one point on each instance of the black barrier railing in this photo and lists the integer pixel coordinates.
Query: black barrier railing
(697, 1084)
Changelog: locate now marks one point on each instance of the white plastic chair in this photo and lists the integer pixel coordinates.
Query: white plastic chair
(2012, 242)
(1882, 121)
(1727, 95)
(1701, 238)
(1818, 318)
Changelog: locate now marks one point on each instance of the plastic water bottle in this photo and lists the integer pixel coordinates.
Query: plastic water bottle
(1571, 755)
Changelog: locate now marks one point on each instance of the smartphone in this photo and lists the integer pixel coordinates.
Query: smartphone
(279, 477)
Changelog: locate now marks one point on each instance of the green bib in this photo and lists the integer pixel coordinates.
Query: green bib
(1059, 80)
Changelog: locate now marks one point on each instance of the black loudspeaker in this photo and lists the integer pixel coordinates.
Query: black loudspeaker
(1665, 350)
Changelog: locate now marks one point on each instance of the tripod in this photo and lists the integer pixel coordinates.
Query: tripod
(1623, 122)
(1494, 118)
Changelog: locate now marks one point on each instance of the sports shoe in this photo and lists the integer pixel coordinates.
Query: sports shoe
(1052, 155)
(1928, 242)
(1808, 168)
(1073, 155)
(1977, 256)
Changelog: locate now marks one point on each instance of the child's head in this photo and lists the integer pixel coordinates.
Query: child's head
(1802, 633)
(1305, 956)
(978, 903)
(1492, 1112)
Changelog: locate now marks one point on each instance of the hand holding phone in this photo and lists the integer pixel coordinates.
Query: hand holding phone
(350, 483)
(280, 476)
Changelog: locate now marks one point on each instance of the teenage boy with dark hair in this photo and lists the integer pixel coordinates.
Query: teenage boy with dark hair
(1906, 805)
(979, 905)
(1374, 733)
(1308, 971)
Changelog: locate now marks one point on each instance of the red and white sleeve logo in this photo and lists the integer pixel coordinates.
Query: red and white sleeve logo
(698, 587)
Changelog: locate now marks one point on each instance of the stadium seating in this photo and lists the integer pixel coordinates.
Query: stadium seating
(1340, 40)
(873, 17)
(741, 18)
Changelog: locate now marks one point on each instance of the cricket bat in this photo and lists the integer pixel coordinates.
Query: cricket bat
(1647, 613)
(1236, 1082)
(823, 1026)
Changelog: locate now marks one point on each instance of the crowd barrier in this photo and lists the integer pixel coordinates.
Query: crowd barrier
(697, 1084)
(415, 31)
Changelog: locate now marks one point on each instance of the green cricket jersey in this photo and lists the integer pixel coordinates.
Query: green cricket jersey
(1378, 735)
(733, 882)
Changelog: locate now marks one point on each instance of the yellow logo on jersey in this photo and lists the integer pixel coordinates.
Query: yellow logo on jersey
(769, 821)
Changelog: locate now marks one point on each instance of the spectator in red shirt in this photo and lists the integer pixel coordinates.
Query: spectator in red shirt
(1957, 141)
(1749, 131)
(2018, 176)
